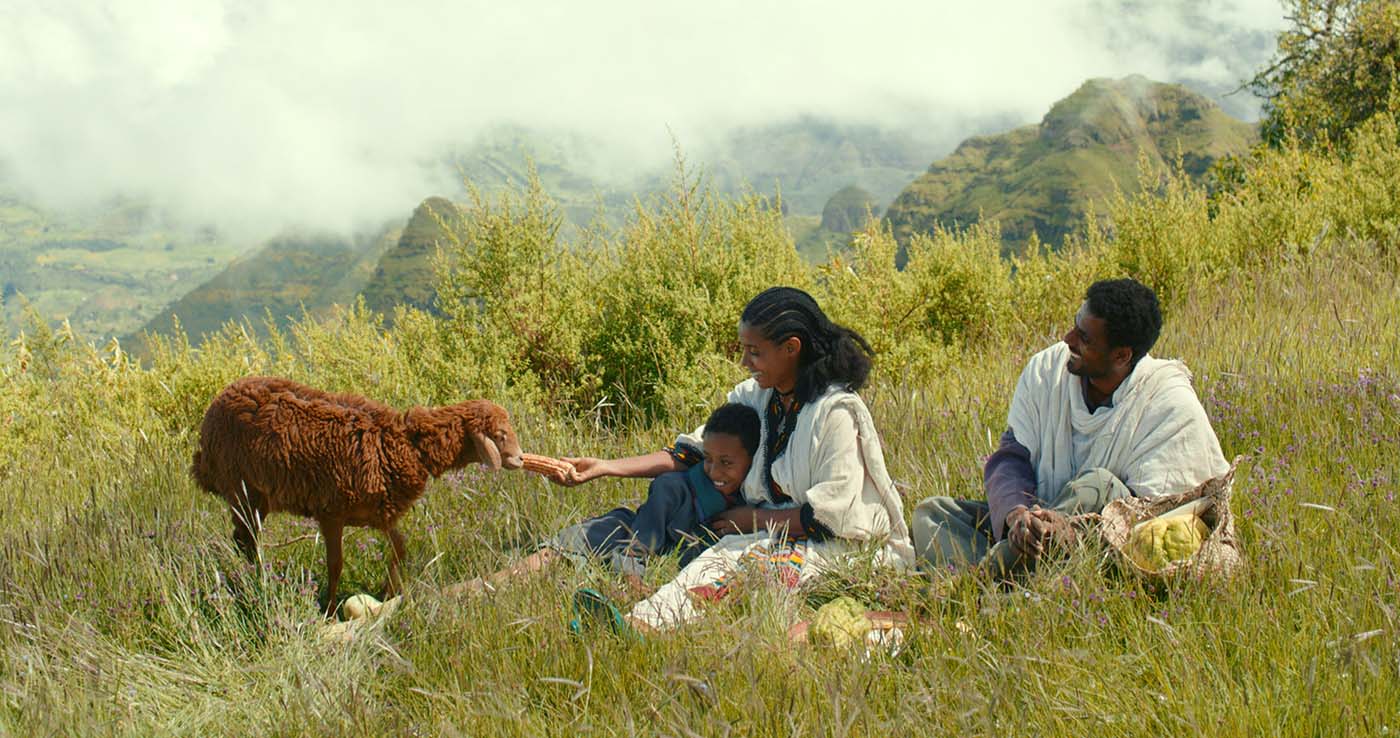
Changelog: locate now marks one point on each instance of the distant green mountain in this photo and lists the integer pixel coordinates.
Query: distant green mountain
(845, 212)
(394, 266)
(504, 157)
(289, 273)
(1035, 178)
(1041, 178)
(405, 273)
(565, 164)
(848, 209)
(808, 159)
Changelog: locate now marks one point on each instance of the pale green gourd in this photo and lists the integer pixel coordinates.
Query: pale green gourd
(841, 623)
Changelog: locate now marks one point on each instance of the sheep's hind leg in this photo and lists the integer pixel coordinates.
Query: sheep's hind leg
(245, 532)
(248, 508)
(394, 586)
(332, 531)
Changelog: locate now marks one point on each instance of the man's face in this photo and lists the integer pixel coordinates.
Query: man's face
(1089, 353)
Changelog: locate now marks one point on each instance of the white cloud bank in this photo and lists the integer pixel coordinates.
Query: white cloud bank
(331, 114)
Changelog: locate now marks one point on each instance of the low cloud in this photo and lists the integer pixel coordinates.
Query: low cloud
(257, 116)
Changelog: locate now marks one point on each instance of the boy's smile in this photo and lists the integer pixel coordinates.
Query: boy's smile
(726, 461)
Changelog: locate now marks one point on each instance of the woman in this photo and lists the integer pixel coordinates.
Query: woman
(817, 491)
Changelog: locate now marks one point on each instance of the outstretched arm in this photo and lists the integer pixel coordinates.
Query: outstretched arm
(587, 468)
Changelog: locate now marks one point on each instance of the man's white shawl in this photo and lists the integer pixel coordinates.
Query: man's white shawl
(1156, 437)
(834, 463)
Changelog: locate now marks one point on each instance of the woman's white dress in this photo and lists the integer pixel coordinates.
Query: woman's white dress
(834, 463)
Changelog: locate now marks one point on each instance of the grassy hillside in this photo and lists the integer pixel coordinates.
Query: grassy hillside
(279, 280)
(1041, 179)
(124, 609)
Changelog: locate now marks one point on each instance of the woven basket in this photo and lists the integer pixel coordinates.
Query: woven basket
(1219, 558)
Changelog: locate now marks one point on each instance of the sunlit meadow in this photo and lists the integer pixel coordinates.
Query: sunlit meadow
(125, 610)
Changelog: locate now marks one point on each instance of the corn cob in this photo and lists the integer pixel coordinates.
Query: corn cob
(547, 466)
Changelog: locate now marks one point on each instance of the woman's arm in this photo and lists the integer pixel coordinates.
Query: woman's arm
(588, 468)
(747, 519)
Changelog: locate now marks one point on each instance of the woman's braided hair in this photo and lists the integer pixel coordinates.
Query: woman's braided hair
(831, 353)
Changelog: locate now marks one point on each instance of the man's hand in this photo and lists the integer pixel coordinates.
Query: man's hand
(1031, 531)
(1022, 532)
(1057, 529)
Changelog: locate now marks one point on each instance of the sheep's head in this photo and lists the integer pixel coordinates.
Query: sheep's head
(456, 435)
(493, 441)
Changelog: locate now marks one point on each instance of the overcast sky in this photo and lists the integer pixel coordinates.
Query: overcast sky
(326, 113)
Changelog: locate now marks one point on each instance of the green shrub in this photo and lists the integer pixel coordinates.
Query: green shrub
(513, 296)
(862, 289)
(1162, 235)
(637, 323)
(635, 320)
(670, 287)
(965, 284)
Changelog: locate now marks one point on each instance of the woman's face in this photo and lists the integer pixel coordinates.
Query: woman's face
(772, 365)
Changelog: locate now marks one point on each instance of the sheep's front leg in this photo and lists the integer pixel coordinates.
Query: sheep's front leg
(332, 531)
(395, 585)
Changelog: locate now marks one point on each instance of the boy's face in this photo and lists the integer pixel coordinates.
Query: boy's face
(726, 461)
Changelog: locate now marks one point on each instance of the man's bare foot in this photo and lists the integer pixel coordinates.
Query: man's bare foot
(535, 562)
(470, 587)
(637, 588)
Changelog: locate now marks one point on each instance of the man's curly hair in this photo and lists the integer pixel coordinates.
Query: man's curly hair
(1130, 311)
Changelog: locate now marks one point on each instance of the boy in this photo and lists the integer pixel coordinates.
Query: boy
(678, 504)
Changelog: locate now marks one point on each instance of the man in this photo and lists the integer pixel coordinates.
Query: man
(1094, 418)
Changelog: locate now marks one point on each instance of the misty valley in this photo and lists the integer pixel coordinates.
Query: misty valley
(123, 271)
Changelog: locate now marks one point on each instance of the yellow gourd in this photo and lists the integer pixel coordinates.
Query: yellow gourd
(1157, 542)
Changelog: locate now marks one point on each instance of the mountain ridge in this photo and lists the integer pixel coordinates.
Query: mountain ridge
(1042, 178)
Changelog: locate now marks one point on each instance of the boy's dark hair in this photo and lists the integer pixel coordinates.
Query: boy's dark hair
(1130, 312)
(740, 421)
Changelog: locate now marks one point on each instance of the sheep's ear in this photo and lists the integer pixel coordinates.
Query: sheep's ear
(486, 451)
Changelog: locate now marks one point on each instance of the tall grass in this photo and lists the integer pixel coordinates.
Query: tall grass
(124, 609)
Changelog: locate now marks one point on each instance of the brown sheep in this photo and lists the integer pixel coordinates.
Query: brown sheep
(272, 445)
